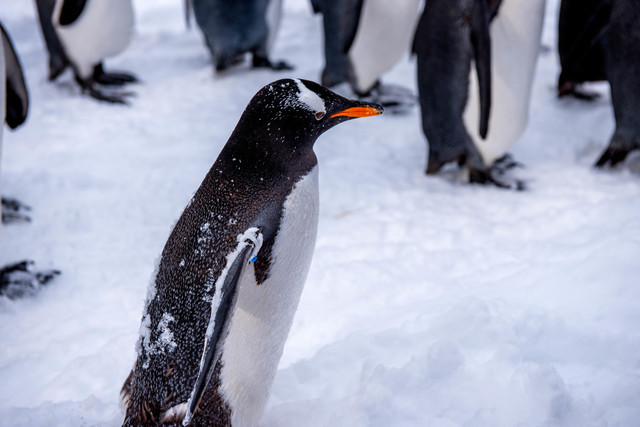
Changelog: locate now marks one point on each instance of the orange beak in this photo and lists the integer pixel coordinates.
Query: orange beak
(360, 111)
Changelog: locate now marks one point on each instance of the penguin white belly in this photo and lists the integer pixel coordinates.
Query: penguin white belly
(103, 29)
(384, 35)
(263, 314)
(274, 12)
(515, 45)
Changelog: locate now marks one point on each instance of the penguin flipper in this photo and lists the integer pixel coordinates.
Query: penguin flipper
(17, 102)
(481, 42)
(249, 244)
(71, 11)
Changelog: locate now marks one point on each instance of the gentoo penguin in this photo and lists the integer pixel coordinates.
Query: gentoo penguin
(233, 28)
(582, 28)
(81, 34)
(364, 39)
(623, 71)
(515, 45)
(450, 34)
(227, 284)
(16, 279)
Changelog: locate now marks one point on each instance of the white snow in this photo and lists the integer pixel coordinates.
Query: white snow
(428, 303)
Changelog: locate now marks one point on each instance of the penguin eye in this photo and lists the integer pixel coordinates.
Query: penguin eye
(319, 115)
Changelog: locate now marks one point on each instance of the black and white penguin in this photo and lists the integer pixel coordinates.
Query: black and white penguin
(16, 279)
(449, 36)
(363, 39)
(232, 29)
(473, 118)
(516, 33)
(582, 29)
(222, 299)
(81, 34)
(623, 72)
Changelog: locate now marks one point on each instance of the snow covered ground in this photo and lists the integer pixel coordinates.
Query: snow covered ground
(429, 302)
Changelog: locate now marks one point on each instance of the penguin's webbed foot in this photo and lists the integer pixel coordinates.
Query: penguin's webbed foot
(260, 61)
(505, 163)
(115, 79)
(394, 98)
(112, 78)
(611, 157)
(111, 97)
(16, 280)
(495, 177)
(14, 211)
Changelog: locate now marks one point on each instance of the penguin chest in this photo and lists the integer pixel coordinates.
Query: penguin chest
(103, 29)
(263, 313)
(383, 37)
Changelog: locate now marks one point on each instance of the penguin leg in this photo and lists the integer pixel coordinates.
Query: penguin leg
(433, 163)
(94, 90)
(395, 99)
(261, 61)
(13, 211)
(112, 79)
(16, 280)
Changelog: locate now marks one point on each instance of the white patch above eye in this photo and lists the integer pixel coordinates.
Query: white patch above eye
(309, 98)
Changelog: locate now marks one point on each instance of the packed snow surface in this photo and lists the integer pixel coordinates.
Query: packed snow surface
(429, 302)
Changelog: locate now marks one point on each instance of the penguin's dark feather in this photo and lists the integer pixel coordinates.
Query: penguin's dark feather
(71, 11)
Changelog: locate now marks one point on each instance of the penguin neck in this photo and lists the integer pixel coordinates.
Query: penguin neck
(259, 158)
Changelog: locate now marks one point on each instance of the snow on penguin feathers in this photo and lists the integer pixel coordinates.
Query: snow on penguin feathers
(222, 299)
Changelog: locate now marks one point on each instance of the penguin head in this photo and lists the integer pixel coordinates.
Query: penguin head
(290, 114)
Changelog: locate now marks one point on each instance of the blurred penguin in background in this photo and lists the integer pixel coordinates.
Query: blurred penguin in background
(80, 34)
(623, 72)
(232, 28)
(516, 33)
(473, 118)
(15, 280)
(362, 40)
(582, 29)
